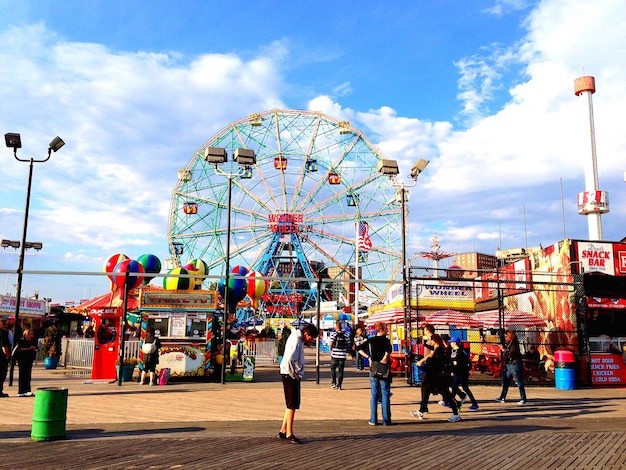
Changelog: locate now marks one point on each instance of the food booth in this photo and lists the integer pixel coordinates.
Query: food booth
(186, 324)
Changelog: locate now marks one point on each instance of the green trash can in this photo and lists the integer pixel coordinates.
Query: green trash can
(49, 414)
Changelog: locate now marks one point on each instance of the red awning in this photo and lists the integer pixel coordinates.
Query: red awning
(108, 300)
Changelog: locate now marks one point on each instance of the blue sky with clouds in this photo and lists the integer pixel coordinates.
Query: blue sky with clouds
(483, 89)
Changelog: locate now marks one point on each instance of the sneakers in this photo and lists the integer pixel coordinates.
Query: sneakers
(473, 407)
(417, 414)
(522, 402)
(3, 395)
(499, 400)
(339, 387)
(21, 394)
(281, 435)
(333, 386)
(441, 402)
(454, 418)
(372, 424)
(293, 439)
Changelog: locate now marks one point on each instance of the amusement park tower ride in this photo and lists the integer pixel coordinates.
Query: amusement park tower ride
(592, 202)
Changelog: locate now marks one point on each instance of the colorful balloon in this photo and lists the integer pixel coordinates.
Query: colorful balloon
(239, 271)
(177, 283)
(256, 287)
(151, 265)
(128, 266)
(109, 267)
(199, 267)
(236, 291)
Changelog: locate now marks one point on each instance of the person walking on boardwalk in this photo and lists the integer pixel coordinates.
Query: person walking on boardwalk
(377, 349)
(291, 373)
(434, 381)
(513, 367)
(427, 349)
(460, 368)
(338, 354)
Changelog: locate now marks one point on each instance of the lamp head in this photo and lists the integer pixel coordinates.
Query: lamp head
(13, 141)
(418, 167)
(387, 167)
(215, 155)
(56, 144)
(245, 157)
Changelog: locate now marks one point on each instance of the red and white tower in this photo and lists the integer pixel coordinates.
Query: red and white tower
(593, 202)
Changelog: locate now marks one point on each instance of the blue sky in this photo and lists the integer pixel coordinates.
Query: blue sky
(483, 89)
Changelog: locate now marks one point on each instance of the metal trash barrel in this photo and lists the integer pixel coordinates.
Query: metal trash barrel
(49, 414)
(564, 369)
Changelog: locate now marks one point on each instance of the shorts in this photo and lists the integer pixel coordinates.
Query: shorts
(291, 388)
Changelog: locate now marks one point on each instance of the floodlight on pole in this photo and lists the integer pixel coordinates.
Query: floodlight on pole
(14, 141)
(245, 158)
(390, 168)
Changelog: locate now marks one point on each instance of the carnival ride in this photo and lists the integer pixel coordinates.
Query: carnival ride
(298, 211)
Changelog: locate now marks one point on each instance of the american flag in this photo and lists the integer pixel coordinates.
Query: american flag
(365, 243)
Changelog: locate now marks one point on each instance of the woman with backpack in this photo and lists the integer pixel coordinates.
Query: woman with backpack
(150, 349)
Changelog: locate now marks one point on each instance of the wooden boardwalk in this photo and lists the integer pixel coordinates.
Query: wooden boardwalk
(200, 425)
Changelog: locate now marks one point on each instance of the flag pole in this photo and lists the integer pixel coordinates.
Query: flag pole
(356, 275)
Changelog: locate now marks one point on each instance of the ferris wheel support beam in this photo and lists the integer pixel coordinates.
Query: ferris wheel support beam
(390, 168)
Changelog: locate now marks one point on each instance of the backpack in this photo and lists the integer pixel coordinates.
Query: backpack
(340, 342)
(148, 348)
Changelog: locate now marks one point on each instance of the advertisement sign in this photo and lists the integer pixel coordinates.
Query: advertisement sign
(596, 257)
(33, 307)
(608, 369)
(178, 299)
(439, 293)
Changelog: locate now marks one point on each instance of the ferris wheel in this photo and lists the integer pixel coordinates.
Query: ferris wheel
(300, 208)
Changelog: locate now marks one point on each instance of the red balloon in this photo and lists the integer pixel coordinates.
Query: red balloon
(132, 266)
(109, 266)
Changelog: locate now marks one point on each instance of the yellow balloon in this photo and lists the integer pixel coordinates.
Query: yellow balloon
(219, 359)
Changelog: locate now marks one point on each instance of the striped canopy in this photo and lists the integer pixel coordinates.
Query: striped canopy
(450, 317)
(392, 315)
(491, 319)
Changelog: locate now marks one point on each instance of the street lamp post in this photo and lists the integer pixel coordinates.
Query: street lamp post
(390, 168)
(245, 158)
(14, 141)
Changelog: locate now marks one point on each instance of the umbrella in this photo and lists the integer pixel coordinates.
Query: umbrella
(299, 323)
(491, 319)
(451, 317)
(392, 315)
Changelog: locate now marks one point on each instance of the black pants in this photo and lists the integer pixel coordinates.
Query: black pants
(4, 367)
(436, 384)
(336, 370)
(26, 372)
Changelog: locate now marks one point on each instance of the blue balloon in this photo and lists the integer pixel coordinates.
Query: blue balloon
(236, 290)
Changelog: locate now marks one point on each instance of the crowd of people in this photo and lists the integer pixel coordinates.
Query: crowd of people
(444, 368)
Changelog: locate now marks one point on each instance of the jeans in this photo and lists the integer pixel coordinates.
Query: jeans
(336, 370)
(513, 371)
(380, 390)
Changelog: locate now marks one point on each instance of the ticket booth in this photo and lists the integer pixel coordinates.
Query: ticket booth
(106, 342)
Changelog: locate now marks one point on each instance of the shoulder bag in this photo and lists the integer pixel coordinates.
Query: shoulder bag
(380, 370)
